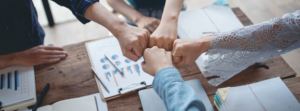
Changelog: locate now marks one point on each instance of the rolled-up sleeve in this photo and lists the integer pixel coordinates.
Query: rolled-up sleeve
(77, 7)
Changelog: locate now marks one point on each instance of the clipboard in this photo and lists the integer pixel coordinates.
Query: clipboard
(122, 91)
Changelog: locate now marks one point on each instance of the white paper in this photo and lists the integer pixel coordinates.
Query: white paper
(19, 88)
(133, 72)
(267, 95)
(207, 21)
(275, 95)
(102, 106)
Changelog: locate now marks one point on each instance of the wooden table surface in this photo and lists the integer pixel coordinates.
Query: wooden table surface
(73, 77)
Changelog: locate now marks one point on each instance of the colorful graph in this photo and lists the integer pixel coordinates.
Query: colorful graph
(106, 75)
(103, 59)
(9, 80)
(114, 57)
(105, 66)
(127, 60)
(16, 80)
(129, 69)
(115, 72)
(118, 63)
(137, 69)
(2, 81)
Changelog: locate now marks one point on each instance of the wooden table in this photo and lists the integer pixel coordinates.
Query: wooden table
(73, 77)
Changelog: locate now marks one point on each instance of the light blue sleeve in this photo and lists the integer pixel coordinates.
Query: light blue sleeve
(177, 96)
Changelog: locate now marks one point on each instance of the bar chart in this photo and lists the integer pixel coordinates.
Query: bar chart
(11, 79)
(16, 84)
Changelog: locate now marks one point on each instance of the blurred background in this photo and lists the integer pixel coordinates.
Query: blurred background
(68, 30)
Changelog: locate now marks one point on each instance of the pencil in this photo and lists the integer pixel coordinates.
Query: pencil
(100, 80)
(113, 64)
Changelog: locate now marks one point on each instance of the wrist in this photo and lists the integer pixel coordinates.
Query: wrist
(138, 19)
(205, 43)
(117, 28)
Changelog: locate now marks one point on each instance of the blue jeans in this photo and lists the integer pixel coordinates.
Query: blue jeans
(155, 12)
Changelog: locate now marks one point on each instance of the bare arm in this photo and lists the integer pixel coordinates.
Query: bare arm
(7, 60)
(133, 40)
(166, 33)
(124, 9)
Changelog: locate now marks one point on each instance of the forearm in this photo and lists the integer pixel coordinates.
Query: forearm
(171, 11)
(176, 95)
(7, 60)
(99, 14)
(123, 8)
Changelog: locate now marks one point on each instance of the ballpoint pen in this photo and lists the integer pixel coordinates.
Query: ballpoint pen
(100, 80)
(113, 64)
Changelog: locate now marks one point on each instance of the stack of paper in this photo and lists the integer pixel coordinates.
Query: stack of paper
(267, 95)
(220, 96)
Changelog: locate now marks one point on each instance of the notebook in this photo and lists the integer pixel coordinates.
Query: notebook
(152, 102)
(267, 95)
(86, 103)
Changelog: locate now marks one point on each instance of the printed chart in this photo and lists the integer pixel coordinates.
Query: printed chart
(132, 71)
(16, 84)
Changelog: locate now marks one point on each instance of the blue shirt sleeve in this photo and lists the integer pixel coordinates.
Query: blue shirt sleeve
(77, 7)
(177, 96)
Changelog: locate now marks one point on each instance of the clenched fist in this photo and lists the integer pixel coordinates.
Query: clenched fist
(186, 51)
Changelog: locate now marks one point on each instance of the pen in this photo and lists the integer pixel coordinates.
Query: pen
(100, 80)
(113, 64)
(40, 99)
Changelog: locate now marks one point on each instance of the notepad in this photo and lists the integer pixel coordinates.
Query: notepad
(86, 103)
(267, 95)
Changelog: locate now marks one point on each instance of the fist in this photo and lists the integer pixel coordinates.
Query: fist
(155, 60)
(133, 41)
(164, 36)
(186, 51)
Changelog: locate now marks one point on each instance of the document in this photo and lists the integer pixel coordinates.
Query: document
(17, 84)
(114, 80)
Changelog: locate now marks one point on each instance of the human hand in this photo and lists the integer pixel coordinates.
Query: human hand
(148, 23)
(164, 36)
(155, 60)
(186, 51)
(133, 41)
(40, 55)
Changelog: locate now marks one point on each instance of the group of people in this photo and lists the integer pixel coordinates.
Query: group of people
(148, 29)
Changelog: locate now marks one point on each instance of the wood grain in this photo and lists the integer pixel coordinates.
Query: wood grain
(73, 77)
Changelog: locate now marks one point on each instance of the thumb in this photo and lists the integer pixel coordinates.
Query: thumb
(129, 54)
(176, 55)
(144, 67)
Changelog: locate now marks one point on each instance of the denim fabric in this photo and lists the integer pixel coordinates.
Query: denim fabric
(177, 96)
(155, 12)
(19, 26)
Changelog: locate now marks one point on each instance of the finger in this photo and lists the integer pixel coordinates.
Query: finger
(51, 60)
(151, 42)
(129, 54)
(55, 52)
(159, 42)
(177, 56)
(54, 56)
(138, 49)
(151, 29)
(53, 48)
(142, 40)
(180, 65)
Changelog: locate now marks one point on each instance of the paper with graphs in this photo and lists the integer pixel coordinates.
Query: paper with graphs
(133, 73)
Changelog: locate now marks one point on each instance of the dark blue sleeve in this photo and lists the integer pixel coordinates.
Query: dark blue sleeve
(77, 7)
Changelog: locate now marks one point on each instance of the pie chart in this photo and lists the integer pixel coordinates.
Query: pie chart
(105, 66)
